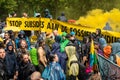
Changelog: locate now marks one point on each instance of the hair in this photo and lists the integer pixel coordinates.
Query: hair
(26, 53)
(7, 33)
(85, 38)
(51, 57)
(21, 42)
(35, 76)
(2, 45)
(99, 30)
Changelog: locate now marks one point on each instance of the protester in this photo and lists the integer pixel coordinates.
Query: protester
(53, 71)
(97, 48)
(62, 17)
(47, 14)
(22, 50)
(12, 36)
(62, 56)
(3, 72)
(22, 36)
(11, 62)
(42, 56)
(26, 68)
(49, 40)
(72, 63)
(7, 38)
(98, 35)
(24, 15)
(57, 37)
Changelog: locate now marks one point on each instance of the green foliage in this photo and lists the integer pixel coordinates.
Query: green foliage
(7, 6)
(72, 8)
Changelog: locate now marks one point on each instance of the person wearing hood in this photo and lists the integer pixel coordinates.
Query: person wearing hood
(62, 17)
(22, 36)
(12, 36)
(47, 14)
(8, 38)
(64, 41)
(115, 54)
(11, 62)
(61, 56)
(98, 35)
(76, 42)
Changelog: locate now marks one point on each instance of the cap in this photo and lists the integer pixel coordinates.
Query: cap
(72, 33)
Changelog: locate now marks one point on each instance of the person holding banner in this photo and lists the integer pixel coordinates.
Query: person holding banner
(47, 14)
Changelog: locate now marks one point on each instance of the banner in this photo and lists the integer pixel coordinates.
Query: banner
(108, 69)
(48, 25)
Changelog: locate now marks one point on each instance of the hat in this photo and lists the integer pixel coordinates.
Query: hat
(37, 14)
(72, 33)
(64, 34)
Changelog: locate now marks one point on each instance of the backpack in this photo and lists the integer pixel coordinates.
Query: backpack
(34, 56)
(75, 68)
(82, 70)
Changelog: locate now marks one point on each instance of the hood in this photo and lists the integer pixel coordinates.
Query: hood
(40, 39)
(21, 33)
(55, 48)
(64, 34)
(102, 42)
(57, 39)
(9, 44)
(47, 10)
(72, 33)
(62, 14)
(115, 48)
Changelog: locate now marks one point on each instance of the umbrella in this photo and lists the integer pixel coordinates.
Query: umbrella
(16, 29)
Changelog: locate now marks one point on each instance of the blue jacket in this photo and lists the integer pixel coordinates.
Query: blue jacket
(53, 72)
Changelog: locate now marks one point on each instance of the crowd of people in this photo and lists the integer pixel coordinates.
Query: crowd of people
(54, 56)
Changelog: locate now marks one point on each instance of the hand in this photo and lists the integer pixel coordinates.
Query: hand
(15, 77)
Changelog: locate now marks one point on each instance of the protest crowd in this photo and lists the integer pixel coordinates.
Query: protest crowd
(53, 56)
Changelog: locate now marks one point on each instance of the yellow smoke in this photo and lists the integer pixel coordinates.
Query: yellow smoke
(98, 18)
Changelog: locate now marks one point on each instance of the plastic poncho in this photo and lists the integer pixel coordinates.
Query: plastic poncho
(53, 72)
(73, 68)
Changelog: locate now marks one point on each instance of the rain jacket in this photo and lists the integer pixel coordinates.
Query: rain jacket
(62, 56)
(53, 72)
(63, 42)
(11, 62)
(47, 14)
(115, 55)
(17, 40)
(62, 18)
(72, 65)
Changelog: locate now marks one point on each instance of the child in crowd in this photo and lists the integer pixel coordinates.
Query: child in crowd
(53, 71)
